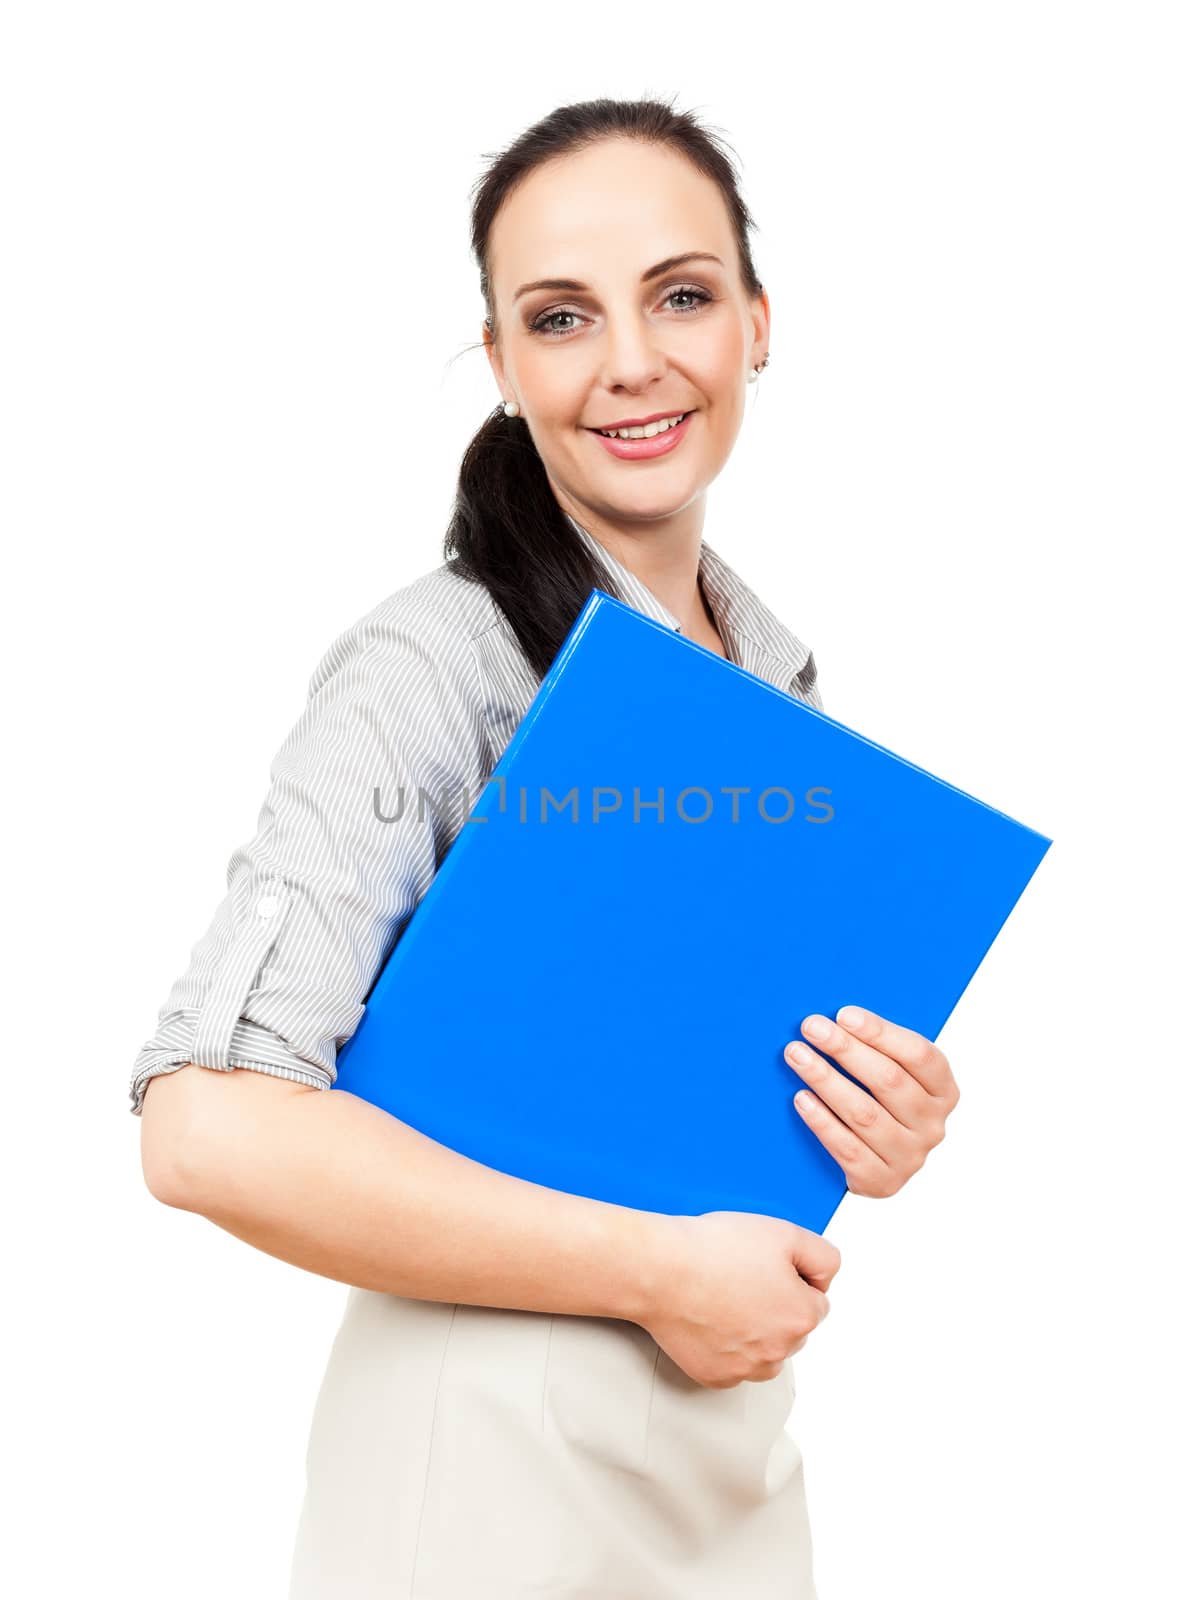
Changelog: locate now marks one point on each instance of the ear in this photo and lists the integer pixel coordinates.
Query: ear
(489, 345)
(760, 316)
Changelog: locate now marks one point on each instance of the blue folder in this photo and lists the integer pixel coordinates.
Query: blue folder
(671, 866)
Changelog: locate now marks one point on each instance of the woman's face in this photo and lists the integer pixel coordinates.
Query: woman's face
(615, 346)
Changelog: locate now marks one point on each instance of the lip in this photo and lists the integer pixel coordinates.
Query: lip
(644, 449)
(644, 422)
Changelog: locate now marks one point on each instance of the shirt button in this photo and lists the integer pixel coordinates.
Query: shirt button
(268, 905)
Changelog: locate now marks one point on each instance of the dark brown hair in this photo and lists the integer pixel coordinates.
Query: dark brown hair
(508, 531)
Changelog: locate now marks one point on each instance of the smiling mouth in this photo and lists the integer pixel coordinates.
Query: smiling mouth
(608, 433)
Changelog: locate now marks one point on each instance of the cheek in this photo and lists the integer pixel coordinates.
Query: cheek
(560, 393)
(552, 392)
(720, 376)
(725, 355)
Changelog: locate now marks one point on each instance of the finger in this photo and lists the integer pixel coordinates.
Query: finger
(766, 1373)
(891, 1084)
(821, 1280)
(816, 1259)
(857, 1159)
(919, 1056)
(881, 1121)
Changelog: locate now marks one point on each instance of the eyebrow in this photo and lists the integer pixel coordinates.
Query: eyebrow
(573, 284)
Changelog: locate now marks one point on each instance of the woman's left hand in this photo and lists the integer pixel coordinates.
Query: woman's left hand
(878, 1139)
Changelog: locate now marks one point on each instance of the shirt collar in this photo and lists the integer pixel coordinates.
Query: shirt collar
(752, 634)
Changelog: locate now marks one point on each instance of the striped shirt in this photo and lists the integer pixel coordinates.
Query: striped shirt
(418, 697)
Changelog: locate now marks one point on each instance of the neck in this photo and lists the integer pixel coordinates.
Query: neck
(664, 553)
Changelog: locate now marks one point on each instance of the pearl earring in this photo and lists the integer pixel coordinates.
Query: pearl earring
(511, 408)
(752, 375)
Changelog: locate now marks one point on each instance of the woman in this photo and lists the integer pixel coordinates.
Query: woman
(530, 1392)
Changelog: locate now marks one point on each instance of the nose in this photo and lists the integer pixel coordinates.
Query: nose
(631, 357)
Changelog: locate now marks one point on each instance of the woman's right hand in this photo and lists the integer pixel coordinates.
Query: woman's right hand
(738, 1294)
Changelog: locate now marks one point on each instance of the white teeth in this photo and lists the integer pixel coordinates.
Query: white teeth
(647, 432)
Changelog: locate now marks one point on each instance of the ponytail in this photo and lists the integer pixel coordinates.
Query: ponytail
(509, 533)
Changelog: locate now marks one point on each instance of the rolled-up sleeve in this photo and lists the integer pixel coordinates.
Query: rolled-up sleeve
(365, 797)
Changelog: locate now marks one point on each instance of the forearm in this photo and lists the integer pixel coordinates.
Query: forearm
(331, 1183)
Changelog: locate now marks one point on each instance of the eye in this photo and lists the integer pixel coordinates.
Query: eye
(542, 324)
(698, 295)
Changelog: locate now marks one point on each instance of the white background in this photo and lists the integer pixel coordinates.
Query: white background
(237, 292)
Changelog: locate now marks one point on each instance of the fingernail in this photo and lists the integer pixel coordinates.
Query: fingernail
(816, 1027)
(851, 1016)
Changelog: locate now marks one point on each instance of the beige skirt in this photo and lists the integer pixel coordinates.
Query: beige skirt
(463, 1452)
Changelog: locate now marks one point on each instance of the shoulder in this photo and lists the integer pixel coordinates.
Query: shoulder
(434, 619)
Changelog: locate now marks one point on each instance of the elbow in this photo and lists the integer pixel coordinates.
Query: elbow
(167, 1135)
(203, 1132)
(162, 1176)
(163, 1182)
